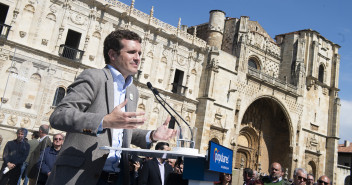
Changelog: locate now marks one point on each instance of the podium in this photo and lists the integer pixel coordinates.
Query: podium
(197, 168)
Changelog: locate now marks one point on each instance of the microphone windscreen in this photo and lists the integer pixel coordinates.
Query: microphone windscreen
(149, 85)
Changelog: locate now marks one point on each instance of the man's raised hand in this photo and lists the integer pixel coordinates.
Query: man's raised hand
(123, 120)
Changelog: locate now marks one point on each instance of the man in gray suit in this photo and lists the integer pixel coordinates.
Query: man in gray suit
(99, 110)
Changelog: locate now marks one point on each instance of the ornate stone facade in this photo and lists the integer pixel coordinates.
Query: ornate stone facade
(228, 78)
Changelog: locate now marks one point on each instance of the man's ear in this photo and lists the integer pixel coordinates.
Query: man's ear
(112, 54)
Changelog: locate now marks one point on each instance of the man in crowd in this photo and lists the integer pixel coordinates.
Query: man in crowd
(247, 176)
(299, 176)
(323, 180)
(44, 141)
(47, 159)
(275, 177)
(157, 170)
(33, 143)
(99, 110)
(15, 153)
(310, 179)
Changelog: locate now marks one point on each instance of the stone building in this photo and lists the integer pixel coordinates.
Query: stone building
(344, 163)
(267, 99)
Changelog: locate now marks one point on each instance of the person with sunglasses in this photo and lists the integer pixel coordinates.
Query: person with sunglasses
(310, 179)
(299, 176)
(323, 180)
(48, 157)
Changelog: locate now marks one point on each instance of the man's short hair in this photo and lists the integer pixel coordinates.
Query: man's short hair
(23, 130)
(44, 129)
(59, 134)
(35, 134)
(160, 145)
(248, 171)
(299, 169)
(113, 41)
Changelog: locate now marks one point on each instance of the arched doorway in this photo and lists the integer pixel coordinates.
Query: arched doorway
(311, 168)
(266, 126)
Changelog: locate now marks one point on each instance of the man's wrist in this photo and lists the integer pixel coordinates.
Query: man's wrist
(152, 137)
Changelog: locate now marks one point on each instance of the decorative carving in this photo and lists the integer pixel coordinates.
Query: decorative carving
(22, 34)
(310, 83)
(181, 61)
(213, 64)
(146, 76)
(98, 28)
(238, 104)
(160, 81)
(2, 117)
(25, 123)
(53, 8)
(4, 56)
(233, 141)
(31, 1)
(156, 110)
(4, 100)
(12, 120)
(45, 42)
(325, 90)
(28, 105)
(78, 19)
(217, 28)
(312, 143)
(141, 106)
(91, 57)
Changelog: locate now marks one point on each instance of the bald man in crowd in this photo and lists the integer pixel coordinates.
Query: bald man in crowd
(323, 180)
(275, 177)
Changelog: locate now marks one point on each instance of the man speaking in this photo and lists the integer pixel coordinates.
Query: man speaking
(99, 110)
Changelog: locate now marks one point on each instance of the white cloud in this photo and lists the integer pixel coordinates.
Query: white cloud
(345, 120)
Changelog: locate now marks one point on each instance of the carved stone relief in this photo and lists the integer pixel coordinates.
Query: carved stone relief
(53, 8)
(25, 123)
(78, 19)
(312, 143)
(12, 120)
(2, 117)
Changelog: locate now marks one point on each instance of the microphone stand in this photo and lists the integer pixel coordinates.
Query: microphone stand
(173, 119)
(156, 93)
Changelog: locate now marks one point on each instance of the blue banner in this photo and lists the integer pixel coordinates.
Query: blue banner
(220, 158)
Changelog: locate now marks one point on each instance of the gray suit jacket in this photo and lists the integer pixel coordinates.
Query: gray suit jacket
(32, 170)
(88, 100)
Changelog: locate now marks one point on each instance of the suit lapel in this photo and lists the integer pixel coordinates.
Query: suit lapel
(156, 166)
(109, 89)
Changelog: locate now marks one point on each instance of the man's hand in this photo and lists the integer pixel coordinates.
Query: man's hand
(163, 132)
(11, 165)
(136, 165)
(123, 120)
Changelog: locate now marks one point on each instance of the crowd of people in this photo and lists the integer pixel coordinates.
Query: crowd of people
(30, 161)
(300, 177)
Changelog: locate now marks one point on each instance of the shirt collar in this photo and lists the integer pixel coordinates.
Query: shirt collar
(41, 139)
(278, 180)
(117, 76)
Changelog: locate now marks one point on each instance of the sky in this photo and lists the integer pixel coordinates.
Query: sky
(332, 19)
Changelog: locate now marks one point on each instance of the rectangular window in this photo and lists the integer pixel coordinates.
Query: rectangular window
(70, 49)
(177, 84)
(3, 13)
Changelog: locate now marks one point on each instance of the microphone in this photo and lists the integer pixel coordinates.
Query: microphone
(156, 93)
